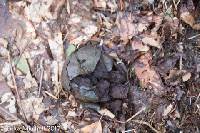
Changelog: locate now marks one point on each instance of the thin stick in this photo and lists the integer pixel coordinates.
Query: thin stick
(51, 95)
(130, 130)
(147, 124)
(41, 76)
(13, 77)
(132, 117)
(15, 85)
(181, 63)
(197, 98)
(140, 111)
(192, 37)
(139, 121)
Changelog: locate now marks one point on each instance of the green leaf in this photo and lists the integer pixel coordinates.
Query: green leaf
(71, 48)
(22, 65)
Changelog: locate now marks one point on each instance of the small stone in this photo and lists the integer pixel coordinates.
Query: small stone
(108, 62)
(84, 94)
(88, 58)
(73, 67)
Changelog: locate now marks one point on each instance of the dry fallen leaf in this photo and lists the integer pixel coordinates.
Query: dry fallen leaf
(138, 45)
(130, 25)
(152, 40)
(188, 18)
(171, 27)
(147, 75)
(38, 10)
(127, 29)
(3, 47)
(100, 3)
(167, 110)
(32, 107)
(186, 76)
(92, 128)
(107, 113)
(81, 28)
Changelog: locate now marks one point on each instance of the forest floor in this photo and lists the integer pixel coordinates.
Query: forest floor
(100, 66)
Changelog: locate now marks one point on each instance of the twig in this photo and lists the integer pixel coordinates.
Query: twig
(139, 121)
(41, 76)
(13, 77)
(192, 37)
(130, 130)
(181, 62)
(15, 85)
(140, 111)
(132, 117)
(147, 124)
(176, 3)
(51, 95)
(197, 99)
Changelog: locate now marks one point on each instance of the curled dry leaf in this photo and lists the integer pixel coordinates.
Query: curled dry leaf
(92, 128)
(186, 76)
(152, 40)
(167, 110)
(138, 45)
(147, 75)
(107, 112)
(188, 18)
